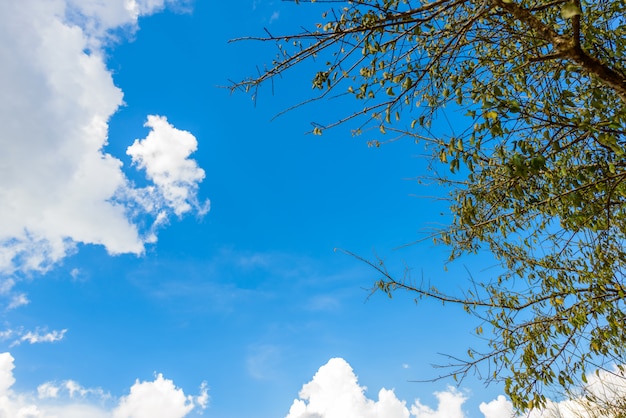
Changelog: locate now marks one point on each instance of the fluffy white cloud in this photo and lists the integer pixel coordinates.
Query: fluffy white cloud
(97, 16)
(164, 155)
(450, 406)
(498, 408)
(157, 399)
(334, 392)
(58, 186)
(6, 373)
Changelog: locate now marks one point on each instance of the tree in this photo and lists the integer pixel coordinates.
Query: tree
(536, 173)
(603, 396)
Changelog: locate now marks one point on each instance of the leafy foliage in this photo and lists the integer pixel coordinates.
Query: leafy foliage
(542, 86)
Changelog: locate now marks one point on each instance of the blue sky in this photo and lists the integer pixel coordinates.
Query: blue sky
(167, 249)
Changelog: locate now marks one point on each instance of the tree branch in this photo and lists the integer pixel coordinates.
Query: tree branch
(569, 47)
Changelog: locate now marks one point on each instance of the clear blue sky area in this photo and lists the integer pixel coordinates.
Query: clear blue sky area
(113, 271)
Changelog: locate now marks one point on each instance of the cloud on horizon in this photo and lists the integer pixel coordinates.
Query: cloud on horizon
(159, 398)
(334, 392)
(60, 187)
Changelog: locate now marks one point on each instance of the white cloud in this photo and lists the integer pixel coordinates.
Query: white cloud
(19, 335)
(604, 391)
(18, 300)
(275, 16)
(334, 392)
(450, 406)
(6, 285)
(203, 399)
(498, 408)
(70, 388)
(59, 187)
(6, 334)
(48, 337)
(75, 274)
(164, 155)
(48, 390)
(98, 18)
(157, 399)
(13, 299)
(6, 373)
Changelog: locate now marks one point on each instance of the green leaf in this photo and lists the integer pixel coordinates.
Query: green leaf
(543, 148)
(491, 115)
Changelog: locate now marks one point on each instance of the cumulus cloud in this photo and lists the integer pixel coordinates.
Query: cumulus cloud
(450, 406)
(497, 408)
(334, 392)
(159, 398)
(59, 187)
(6, 373)
(164, 155)
(96, 16)
(156, 399)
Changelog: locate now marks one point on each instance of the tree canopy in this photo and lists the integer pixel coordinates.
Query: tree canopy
(536, 164)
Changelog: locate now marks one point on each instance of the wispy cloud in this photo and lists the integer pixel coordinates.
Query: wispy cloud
(17, 301)
(71, 388)
(13, 299)
(224, 282)
(262, 361)
(38, 336)
(6, 285)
